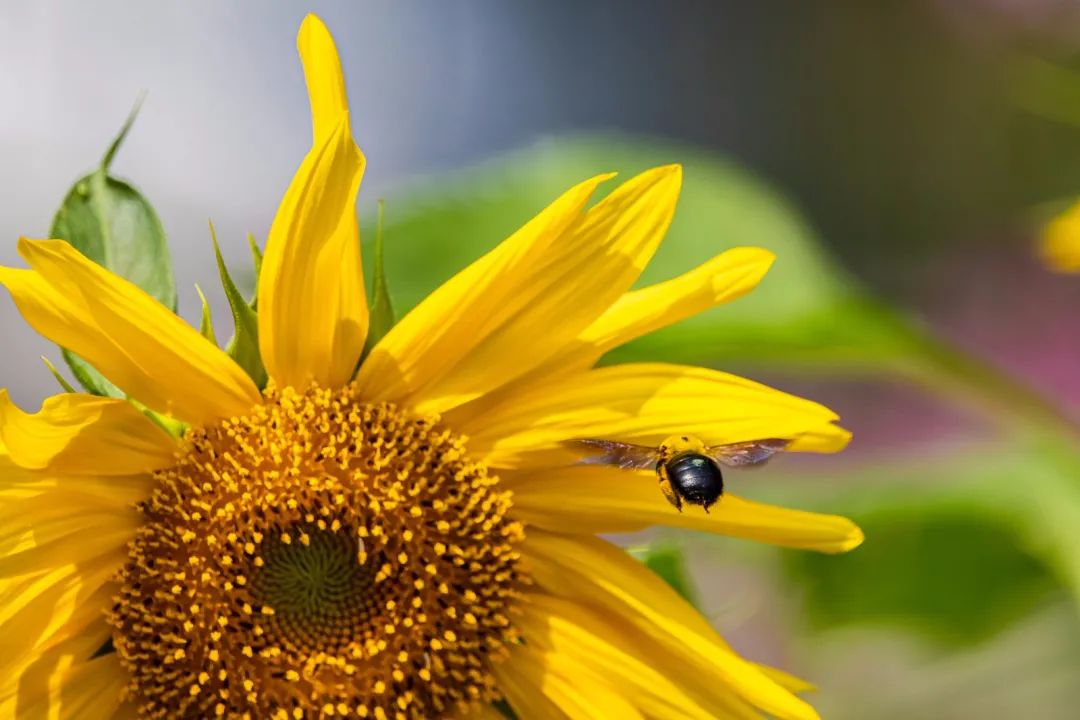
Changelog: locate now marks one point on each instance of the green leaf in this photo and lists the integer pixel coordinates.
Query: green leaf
(244, 345)
(113, 224)
(382, 309)
(206, 323)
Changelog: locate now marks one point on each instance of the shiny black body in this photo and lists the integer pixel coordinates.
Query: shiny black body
(696, 479)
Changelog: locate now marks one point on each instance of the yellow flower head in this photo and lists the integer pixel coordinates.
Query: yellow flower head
(1060, 241)
(401, 541)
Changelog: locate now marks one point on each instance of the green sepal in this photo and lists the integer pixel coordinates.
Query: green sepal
(56, 374)
(107, 648)
(206, 321)
(89, 378)
(174, 427)
(244, 345)
(110, 222)
(381, 313)
(256, 262)
(503, 708)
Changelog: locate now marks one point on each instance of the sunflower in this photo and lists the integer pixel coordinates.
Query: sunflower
(1060, 241)
(398, 537)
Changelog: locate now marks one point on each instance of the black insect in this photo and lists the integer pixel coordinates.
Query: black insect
(688, 469)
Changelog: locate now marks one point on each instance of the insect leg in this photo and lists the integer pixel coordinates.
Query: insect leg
(669, 491)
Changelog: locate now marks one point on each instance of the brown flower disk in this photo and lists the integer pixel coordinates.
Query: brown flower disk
(319, 557)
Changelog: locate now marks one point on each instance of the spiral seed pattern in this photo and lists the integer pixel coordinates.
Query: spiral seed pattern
(319, 557)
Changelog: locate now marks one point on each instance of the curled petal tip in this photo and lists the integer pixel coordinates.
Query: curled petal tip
(668, 174)
(765, 256)
(312, 22)
(854, 540)
(843, 438)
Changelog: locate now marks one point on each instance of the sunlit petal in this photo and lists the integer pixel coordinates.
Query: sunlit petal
(640, 403)
(83, 434)
(526, 300)
(313, 315)
(591, 499)
(135, 341)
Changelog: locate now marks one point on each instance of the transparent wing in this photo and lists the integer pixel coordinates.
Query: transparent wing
(620, 455)
(747, 453)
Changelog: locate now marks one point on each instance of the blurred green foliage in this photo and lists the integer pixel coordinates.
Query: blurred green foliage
(807, 310)
(1045, 89)
(807, 314)
(1010, 507)
(666, 559)
(958, 546)
(953, 575)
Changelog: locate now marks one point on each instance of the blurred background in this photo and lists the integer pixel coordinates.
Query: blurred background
(900, 157)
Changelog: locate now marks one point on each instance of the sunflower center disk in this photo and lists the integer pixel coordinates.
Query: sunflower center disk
(320, 557)
(319, 590)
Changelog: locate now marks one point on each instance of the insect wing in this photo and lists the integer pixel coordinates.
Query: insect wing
(620, 455)
(747, 453)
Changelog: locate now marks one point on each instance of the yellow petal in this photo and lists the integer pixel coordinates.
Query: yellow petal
(1060, 242)
(622, 658)
(587, 570)
(544, 686)
(53, 607)
(55, 512)
(726, 277)
(15, 482)
(83, 434)
(525, 301)
(325, 81)
(482, 711)
(593, 499)
(519, 680)
(55, 539)
(435, 336)
(64, 685)
(59, 549)
(639, 403)
(134, 340)
(786, 680)
(127, 711)
(313, 316)
(120, 491)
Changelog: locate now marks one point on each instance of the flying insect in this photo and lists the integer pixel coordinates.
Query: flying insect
(687, 468)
